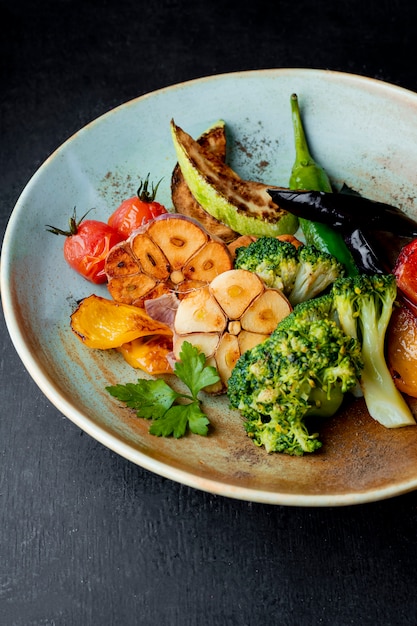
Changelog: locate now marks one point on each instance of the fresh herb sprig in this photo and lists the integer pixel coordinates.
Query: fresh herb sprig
(172, 412)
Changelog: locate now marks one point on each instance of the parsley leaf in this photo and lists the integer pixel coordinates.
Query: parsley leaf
(150, 398)
(192, 369)
(175, 420)
(172, 412)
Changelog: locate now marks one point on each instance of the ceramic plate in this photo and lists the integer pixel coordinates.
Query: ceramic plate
(363, 131)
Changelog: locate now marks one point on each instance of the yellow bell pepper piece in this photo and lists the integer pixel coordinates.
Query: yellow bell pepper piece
(148, 354)
(103, 324)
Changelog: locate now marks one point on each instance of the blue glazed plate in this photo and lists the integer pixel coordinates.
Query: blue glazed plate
(363, 131)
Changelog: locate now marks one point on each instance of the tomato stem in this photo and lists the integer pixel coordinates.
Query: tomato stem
(73, 225)
(143, 192)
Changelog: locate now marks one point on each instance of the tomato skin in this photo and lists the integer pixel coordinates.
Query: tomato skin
(405, 271)
(136, 211)
(133, 213)
(87, 249)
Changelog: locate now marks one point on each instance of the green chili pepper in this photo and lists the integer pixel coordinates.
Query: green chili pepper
(308, 175)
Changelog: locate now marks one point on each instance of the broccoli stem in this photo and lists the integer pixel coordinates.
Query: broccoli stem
(364, 308)
(383, 400)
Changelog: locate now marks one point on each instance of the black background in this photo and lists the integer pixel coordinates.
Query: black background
(86, 537)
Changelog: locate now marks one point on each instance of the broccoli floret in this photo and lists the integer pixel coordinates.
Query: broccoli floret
(310, 310)
(275, 262)
(302, 369)
(316, 271)
(301, 273)
(364, 305)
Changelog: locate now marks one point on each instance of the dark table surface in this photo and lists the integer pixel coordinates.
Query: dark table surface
(86, 537)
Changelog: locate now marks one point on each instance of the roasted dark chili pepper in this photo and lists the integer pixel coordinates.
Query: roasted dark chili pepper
(308, 175)
(363, 250)
(343, 211)
(367, 257)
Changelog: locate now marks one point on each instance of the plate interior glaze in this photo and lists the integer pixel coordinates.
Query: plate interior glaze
(363, 131)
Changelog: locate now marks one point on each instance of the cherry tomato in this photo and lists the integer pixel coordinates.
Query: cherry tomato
(136, 211)
(87, 245)
(405, 271)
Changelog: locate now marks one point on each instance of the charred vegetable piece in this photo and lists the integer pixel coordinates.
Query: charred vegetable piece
(177, 239)
(343, 211)
(104, 324)
(233, 313)
(212, 142)
(364, 250)
(149, 354)
(307, 174)
(245, 206)
(402, 350)
(172, 253)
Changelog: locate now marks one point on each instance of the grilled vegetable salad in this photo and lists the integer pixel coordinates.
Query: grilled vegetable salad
(278, 297)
